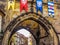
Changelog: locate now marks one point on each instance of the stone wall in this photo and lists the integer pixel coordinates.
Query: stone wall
(10, 15)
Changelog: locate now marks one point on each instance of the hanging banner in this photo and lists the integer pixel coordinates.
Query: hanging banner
(23, 5)
(39, 5)
(51, 8)
(11, 4)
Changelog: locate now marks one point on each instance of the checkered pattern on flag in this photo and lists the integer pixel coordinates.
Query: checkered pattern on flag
(51, 8)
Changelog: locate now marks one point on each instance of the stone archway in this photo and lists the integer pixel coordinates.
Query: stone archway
(2, 15)
(29, 16)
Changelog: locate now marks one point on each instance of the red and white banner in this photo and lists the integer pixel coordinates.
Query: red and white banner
(23, 5)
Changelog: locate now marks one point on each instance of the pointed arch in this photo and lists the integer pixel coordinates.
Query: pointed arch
(29, 16)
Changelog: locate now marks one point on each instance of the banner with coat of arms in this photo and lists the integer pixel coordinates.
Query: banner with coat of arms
(23, 5)
(51, 8)
(39, 5)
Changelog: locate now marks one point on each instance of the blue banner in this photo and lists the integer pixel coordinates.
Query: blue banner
(39, 5)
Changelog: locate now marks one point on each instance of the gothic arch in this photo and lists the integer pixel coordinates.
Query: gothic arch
(2, 16)
(2, 13)
(29, 16)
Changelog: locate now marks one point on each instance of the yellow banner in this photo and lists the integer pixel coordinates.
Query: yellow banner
(11, 4)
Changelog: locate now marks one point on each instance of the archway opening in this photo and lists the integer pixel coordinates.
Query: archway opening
(22, 37)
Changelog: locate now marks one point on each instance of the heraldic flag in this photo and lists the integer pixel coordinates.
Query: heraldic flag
(39, 5)
(11, 3)
(23, 5)
(51, 8)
